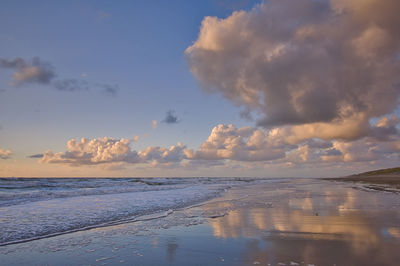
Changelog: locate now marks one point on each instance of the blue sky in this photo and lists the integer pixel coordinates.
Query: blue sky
(137, 48)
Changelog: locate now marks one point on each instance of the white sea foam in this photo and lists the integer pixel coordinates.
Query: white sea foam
(32, 209)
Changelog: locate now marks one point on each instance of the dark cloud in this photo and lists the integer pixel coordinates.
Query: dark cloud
(171, 118)
(318, 144)
(108, 89)
(333, 152)
(386, 128)
(303, 62)
(246, 114)
(34, 71)
(71, 85)
(37, 71)
(35, 156)
(16, 63)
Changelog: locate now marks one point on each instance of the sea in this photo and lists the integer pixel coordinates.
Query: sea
(34, 208)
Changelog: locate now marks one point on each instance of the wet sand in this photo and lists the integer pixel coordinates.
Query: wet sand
(291, 222)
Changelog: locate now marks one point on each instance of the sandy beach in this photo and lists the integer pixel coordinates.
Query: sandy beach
(287, 222)
(218, 132)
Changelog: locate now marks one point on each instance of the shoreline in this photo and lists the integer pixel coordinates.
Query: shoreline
(293, 222)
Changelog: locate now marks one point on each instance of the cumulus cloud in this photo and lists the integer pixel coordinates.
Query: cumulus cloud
(171, 118)
(36, 71)
(240, 144)
(93, 151)
(5, 154)
(161, 155)
(326, 66)
(385, 128)
(113, 152)
(228, 144)
(275, 146)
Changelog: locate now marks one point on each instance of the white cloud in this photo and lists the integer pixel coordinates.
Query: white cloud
(95, 151)
(315, 72)
(295, 145)
(163, 155)
(241, 144)
(111, 152)
(285, 146)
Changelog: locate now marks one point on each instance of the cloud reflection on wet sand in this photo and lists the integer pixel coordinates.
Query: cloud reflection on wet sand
(314, 226)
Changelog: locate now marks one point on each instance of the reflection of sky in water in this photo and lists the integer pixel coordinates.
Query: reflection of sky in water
(315, 225)
(287, 223)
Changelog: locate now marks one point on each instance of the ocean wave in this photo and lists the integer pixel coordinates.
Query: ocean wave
(32, 209)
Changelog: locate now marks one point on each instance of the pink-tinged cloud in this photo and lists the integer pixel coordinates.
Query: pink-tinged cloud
(34, 71)
(326, 66)
(226, 143)
(102, 151)
(240, 144)
(5, 154)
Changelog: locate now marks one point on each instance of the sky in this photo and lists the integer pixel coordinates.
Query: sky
(277, 88)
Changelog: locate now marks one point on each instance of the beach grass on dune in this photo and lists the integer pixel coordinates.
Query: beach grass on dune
(389, 176)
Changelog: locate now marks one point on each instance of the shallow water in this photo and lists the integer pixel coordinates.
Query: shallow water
(316, 223)
(290, 222)
(36, 208)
